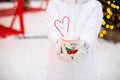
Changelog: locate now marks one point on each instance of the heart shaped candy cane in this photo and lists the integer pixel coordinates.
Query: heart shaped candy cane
(61, 22)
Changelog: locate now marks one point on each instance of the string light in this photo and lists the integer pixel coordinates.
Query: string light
(108, 10)
(101, 35)
(108, 16)
(108, 2)
(113, 5)
(111, 19)
(104, 32)
(112, 27)
(107, 26)
(103, 22)
(117, 7)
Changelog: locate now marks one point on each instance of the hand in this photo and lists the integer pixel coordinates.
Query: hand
(84, 47)
(63, 56)
(83, 50)
(67, 47)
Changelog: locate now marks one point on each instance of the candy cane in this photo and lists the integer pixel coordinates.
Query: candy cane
(55, 22)
(68, 22)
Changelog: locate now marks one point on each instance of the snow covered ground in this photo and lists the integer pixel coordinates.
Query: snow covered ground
(26, 59)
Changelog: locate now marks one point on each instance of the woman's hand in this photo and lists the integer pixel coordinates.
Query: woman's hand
(83, 50)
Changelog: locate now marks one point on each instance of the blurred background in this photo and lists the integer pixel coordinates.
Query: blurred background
(24, 44)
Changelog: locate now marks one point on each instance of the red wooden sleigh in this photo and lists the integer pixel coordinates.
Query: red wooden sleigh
(6, 31)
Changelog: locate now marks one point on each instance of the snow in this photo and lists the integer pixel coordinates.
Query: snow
(23, 59)
(26, 59)
(108, 58)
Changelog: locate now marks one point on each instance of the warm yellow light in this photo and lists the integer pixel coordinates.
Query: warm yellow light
(112, 27)
(103, 22)
(113, 5)
(107, 26)
(104, 32)
(101, 35)
(108, 9)
(110, 13)
(119, 17)
(117, 7)
(108, 2)
(108, 16)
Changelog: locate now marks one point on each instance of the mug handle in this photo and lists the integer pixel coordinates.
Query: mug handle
(83, 44)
